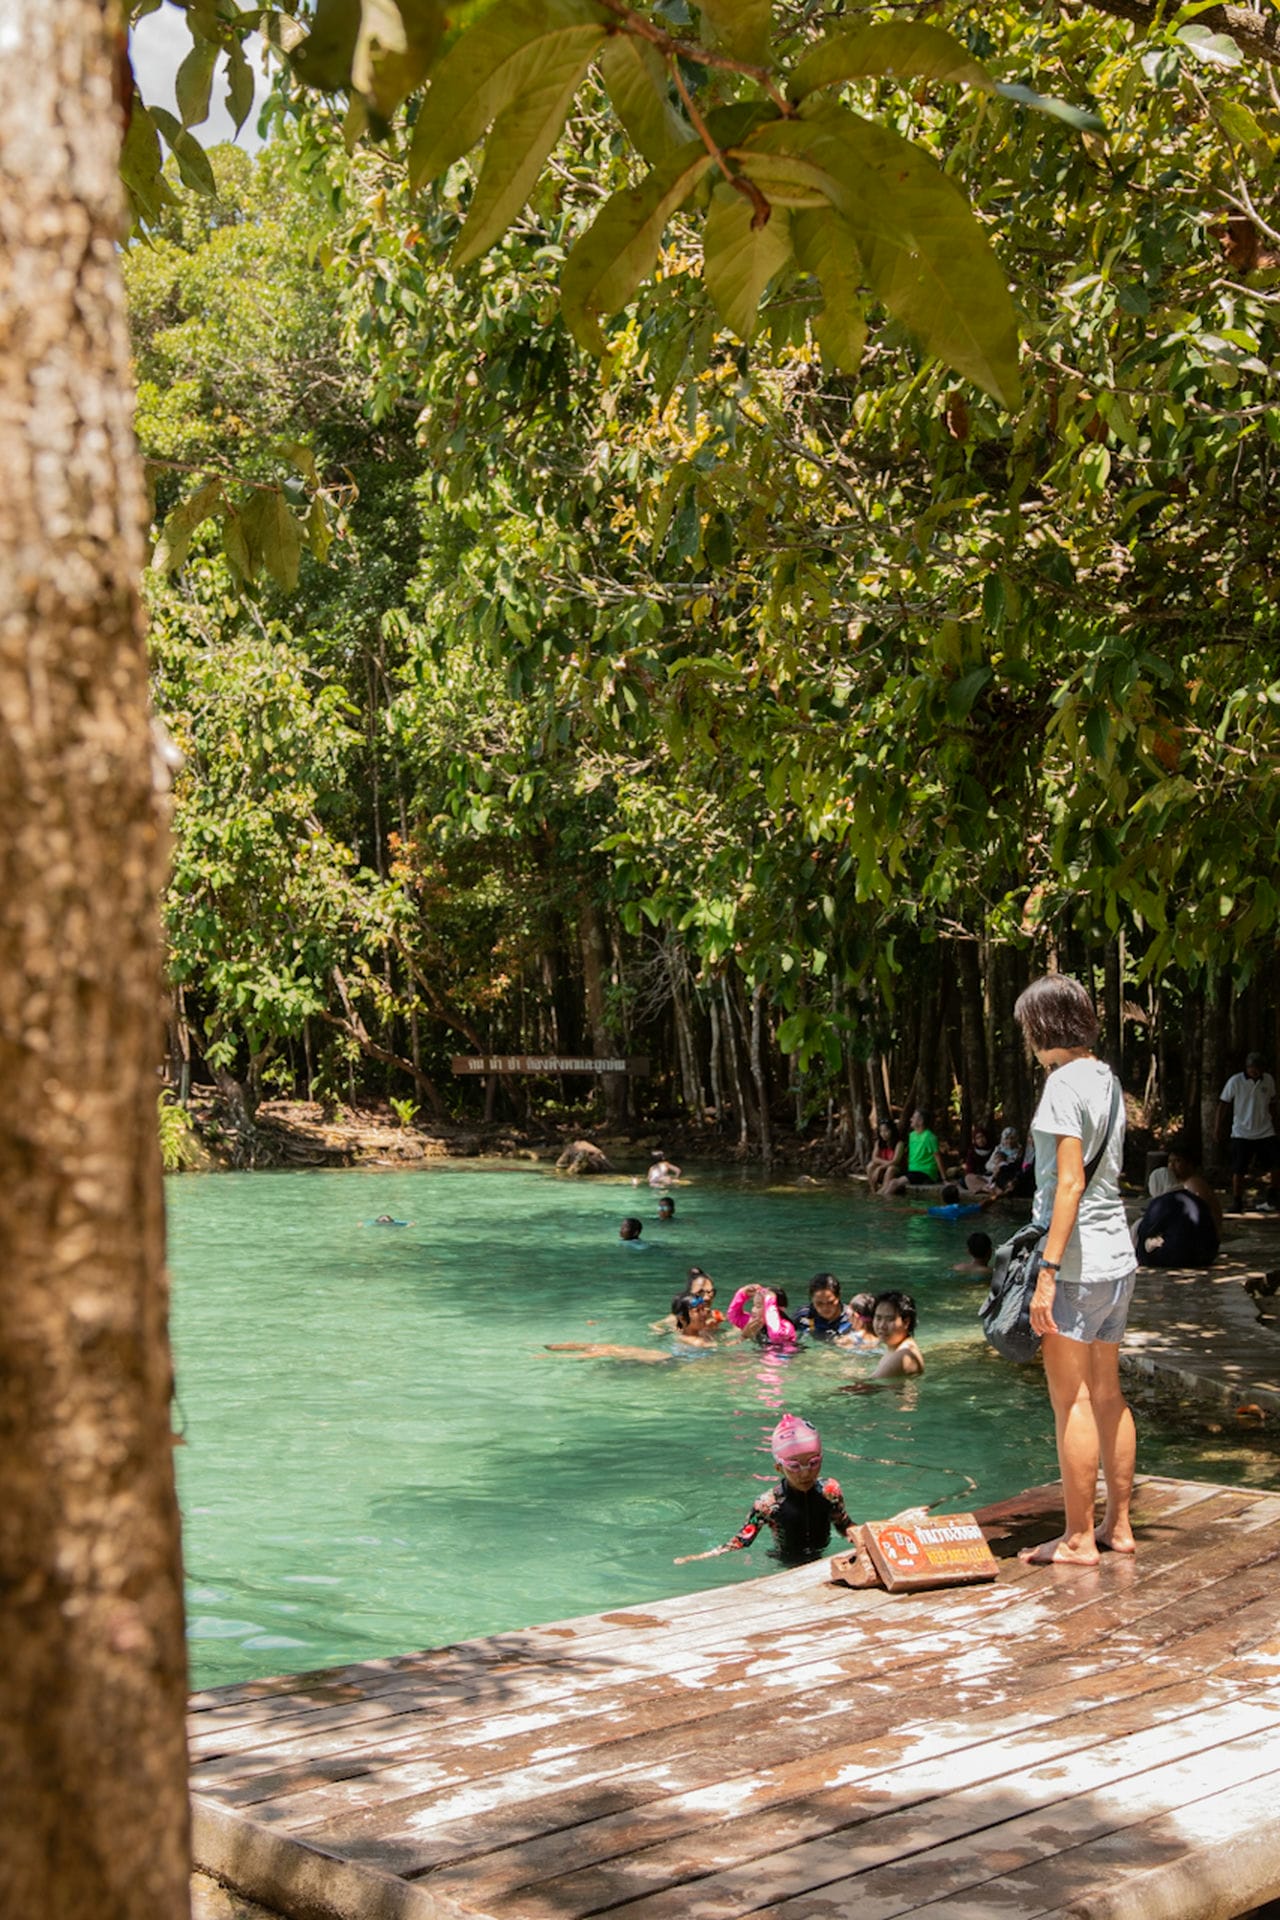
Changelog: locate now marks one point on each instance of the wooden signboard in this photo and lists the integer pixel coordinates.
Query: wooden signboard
(637, 1067)
(944, 1550)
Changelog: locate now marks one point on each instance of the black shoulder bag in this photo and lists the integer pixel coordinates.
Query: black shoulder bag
(1006, 1311)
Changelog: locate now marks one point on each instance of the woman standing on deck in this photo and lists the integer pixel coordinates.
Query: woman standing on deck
(1087, 1269)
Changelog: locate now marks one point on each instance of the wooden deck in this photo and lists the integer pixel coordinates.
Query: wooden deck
(1094, 1742)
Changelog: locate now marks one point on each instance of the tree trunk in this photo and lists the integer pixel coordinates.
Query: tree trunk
(975, 1077)
(93, 1782)
(1113, 1004)
(1213, 1074)
(591, 938)
(760, 1076)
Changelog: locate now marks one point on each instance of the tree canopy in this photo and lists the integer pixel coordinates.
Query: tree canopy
(793, 604)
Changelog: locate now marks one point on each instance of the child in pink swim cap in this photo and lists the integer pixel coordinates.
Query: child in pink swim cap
(802, 1508)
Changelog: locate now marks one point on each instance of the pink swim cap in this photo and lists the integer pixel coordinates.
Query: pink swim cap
(794, 1439)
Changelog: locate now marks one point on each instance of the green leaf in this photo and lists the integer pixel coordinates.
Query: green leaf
(743, 27)
(394, 49)
(273, 537)
(739, 258)
(302, 459)
(963, 692)
(141, 166)
(235, 546)
(1240, 125)
(193, 82)
(193, 161)
(485, 70)
(1095, 465)
(1214, 49)
(900, 49)
(241, 90)
(922, 250)
(175, 538)
(608, 262)
(323, 59)
(1082, 118)
(825, 247)
(522, 137)
(637, 84)
(1097, 731)
(319, 531)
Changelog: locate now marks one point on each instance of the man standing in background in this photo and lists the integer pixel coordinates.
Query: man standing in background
(1250, 1099)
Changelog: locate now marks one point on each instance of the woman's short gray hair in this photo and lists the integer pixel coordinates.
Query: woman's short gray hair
(1056, 1011)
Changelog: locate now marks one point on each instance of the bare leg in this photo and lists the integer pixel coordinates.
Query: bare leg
(1117, 1443)
(1067, 1369)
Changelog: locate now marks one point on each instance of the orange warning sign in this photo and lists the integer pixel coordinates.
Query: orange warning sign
(946, 1550)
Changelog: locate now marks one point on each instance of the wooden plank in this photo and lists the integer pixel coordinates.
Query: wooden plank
(897, 1861)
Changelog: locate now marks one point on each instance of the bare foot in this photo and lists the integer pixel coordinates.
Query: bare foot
(1056, 1553)
(1115, 1539)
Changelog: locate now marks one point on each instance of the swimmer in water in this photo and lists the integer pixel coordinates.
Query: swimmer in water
(703, 1287)
(631, 1229)
(666, 1207)
(760, 1314)
(893, 1325)
(978, 1265)
(801, 1509)
(386, 1220)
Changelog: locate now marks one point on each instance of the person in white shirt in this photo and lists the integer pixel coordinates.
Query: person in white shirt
(1249, 1098)
(1081, 1301)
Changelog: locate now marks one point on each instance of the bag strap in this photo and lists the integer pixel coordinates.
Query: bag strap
(1096, 1160)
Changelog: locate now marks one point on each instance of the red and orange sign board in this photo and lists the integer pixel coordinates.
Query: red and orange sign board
(943, 1550)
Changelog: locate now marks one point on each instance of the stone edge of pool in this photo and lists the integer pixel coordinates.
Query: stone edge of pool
(303, 1882)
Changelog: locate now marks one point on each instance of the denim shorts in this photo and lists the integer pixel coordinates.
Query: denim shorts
(1089, 1310)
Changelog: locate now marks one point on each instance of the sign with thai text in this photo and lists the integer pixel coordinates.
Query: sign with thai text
(638, 1067)
(944, 1550)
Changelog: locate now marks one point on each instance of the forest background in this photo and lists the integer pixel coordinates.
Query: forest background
(764, 665)
(775, 710)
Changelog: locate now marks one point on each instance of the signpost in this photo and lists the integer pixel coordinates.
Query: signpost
(637, 1066)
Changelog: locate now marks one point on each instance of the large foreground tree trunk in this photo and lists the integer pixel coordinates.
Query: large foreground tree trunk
(93, 1815)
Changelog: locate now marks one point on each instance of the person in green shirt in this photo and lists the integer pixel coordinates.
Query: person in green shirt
(924, 1162)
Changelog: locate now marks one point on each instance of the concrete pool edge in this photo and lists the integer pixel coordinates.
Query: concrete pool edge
(302, 1882)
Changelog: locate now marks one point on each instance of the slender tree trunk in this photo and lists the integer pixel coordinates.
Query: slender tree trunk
(93, 1791)
(759, 1074)
(1213, 1074)
(716, 1062)
(1112, 1004)
(731, 1043)
(974, 1072)
(591, 937)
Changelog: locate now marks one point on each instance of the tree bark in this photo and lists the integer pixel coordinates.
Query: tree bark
(975, 1076)
(591, 936)
(93, 1793)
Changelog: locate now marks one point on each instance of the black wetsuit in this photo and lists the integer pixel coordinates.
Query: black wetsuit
(1185, 1225)
(801, 1522)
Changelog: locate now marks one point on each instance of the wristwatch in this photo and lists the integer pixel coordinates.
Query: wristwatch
(1054, 1266)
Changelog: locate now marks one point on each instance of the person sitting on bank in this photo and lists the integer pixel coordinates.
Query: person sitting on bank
(973, 1170)
(1249, 1100)
(888, 1155)
(662, 1172)
(826, 1316)
(1180, 1227)
(924, 1160)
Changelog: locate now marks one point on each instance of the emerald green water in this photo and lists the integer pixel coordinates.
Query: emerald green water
(381, 1455)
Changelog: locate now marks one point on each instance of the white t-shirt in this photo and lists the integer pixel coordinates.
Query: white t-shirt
(1250, 1104)
(1076, 1103)
(1159, 1181)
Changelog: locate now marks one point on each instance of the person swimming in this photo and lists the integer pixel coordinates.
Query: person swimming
(826, 1316)
(801, 1510)
(631, 1229)
(666, 1207)
(760, 1314)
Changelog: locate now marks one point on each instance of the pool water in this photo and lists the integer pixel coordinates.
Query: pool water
(381, 1454)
